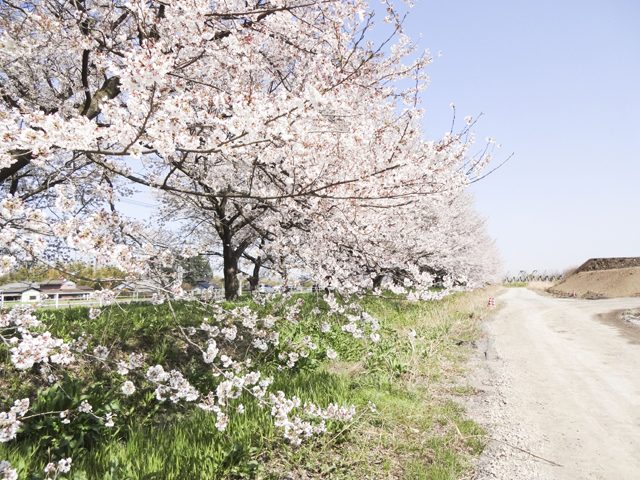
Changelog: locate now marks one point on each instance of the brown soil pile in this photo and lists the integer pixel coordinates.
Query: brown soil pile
(619, 282)
(594, 264)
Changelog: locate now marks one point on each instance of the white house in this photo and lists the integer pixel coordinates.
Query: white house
(34, 291)
(20, 292)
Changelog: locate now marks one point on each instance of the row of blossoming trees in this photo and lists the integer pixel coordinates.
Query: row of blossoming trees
(274, 131)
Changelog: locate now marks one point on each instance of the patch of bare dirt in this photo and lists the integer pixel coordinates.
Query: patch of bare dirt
(594, 264)
(598, 284)
(626, 321)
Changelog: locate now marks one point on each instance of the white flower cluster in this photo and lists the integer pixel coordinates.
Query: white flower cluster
(292, 311)
(21, 318)
(299, 351)
(65, 201)
(212, 350)
(64, 415)
(101, 352)
(263, 298)
(178, 292)
(231, 389)
(9, 423)
(295, 429)
(359, 330)
(63, 466)
(41, 348)
(397, 289)
(262, 337)
(108, 419)
(81, 343)
(105, 297)
(7, 263)
(177, 385)
(360, 325)
(85, 407)
(128, 388)
(334, 306)
(157, 299)
(208, 294)
(213, 331)
(135, 361)
(7, 472)
(229, 332)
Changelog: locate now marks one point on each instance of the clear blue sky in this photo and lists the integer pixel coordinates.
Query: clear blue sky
(559, 83)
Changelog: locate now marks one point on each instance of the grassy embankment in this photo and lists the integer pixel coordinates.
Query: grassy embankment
(412, 381)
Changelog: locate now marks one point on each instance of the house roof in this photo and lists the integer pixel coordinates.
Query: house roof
(18, 287)
(49, 285)
(54, 286)
(15, 291)
(55, 281)
(67, 291)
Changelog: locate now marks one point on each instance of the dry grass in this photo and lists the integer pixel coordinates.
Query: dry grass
(540, 287)
(350, 369)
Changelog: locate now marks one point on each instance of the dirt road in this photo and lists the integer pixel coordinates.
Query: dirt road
(557, 380)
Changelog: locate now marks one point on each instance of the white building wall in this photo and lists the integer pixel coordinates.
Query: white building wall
(26, 296)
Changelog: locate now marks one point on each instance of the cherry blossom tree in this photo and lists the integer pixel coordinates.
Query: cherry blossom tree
(273, 123)
(242, 106)
(431, 241)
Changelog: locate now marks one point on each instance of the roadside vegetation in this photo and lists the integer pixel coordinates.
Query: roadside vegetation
(415, 429)
(515, 285)
(535, 285)
(540, 287)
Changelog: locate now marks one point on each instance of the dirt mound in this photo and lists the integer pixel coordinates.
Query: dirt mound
(619, 282)
(594, 264)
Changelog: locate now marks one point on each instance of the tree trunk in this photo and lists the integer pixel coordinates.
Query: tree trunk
(231, 282)
(377, 281)
(254, 279)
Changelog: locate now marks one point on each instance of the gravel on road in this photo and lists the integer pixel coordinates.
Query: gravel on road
(559, 379)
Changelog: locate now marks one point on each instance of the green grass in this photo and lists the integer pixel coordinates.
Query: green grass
(188, 445)
(410, 435)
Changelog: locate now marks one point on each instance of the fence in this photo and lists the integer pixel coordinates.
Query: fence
(67, 303)
(535, 276)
